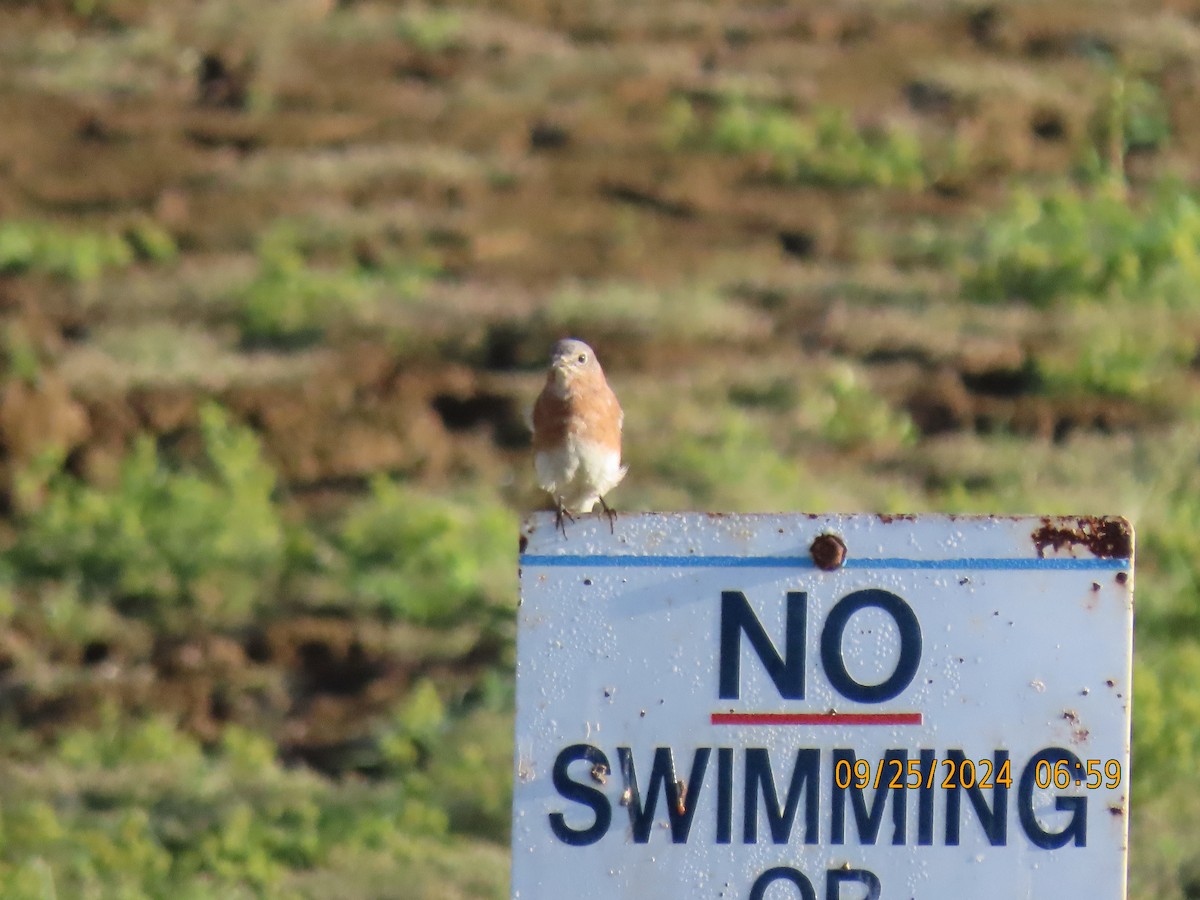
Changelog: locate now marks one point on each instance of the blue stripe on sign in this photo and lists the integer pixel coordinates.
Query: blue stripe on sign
(805, 562)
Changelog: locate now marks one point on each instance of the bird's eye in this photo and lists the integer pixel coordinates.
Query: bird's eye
(582, 358)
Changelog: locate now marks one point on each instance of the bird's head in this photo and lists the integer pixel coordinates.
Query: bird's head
(572, 362)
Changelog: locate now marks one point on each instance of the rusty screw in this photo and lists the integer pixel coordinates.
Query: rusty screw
(828, 552)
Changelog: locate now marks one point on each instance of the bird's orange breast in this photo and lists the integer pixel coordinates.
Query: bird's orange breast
(589, 411)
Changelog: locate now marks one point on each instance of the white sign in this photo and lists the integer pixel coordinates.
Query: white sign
(703, 712)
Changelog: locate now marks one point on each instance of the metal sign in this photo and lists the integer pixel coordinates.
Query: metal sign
(769, 707)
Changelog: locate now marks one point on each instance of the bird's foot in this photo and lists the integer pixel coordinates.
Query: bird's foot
(612, 516)
(561, 517)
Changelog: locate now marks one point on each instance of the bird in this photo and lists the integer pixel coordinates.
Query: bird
(577, 434)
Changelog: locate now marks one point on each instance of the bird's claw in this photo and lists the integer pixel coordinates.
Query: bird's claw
(561, 517)
(612, 516)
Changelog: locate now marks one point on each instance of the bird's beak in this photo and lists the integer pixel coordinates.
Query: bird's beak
(558, 368)
(562, 372)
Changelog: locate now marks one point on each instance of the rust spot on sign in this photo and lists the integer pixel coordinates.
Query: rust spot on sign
(524, 542)
(1079, 734)
(1103, 537)
(680, 797)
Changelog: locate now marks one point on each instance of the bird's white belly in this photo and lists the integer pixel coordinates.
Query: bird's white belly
(578, 473)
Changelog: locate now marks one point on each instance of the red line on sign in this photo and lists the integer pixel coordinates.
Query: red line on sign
(830, 718)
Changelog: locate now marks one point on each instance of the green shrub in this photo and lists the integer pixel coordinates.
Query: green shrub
(150, 241)
(1144, 119)
(292, 302)
(457, 764)
(1168, 547)
(1077, 243)
(733, 463)
(293, 307)
(139, 810)
(431, 30)
(47, 854)
(1132, 116)
(1166, 743)
(115, 743)
(1134, 355)
(143, 811)
(413, 556)
(206, 540)
(18, 353)
(414, 728)
(824, 148)
(470, 776)
(43, 248)
(849, 413)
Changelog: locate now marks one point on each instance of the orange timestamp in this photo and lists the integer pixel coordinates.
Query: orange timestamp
(949, 774)
(1062, 774)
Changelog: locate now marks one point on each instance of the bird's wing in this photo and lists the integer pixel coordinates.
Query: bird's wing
(549, 420)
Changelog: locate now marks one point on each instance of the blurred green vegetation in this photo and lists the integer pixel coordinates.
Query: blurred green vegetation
(431, 30)
(275, 288)
(824, 147)
(138, 807)
(207, 545)
(43, 248)
(1088, 244)
(143, 810)
(293, 301)
(163, 541)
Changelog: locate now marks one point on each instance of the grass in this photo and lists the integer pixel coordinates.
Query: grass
(438, 585)
(46, 249)
(293, 302)
(822, 148)
(142, 810)
(1078, 243)
(134, 61)
(19, 353)
(176, 545)
(358, 167)
(430, 30)
(691, 312)
(182, 545)
(135, 804)
(1140, 353)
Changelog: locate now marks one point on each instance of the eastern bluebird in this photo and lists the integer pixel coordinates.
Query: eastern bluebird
(577, 432)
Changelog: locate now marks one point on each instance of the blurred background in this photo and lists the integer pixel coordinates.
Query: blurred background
(277, 283)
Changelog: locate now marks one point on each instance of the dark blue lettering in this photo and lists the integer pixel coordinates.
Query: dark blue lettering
(780, 818)
(787, 671)
(584, 794)
(910, 646)
(835, 878)
(994, 819)
(782, 873)
(681, 805)
(1076, 829)
(724, 795)
(925, 798)
(869, 821)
